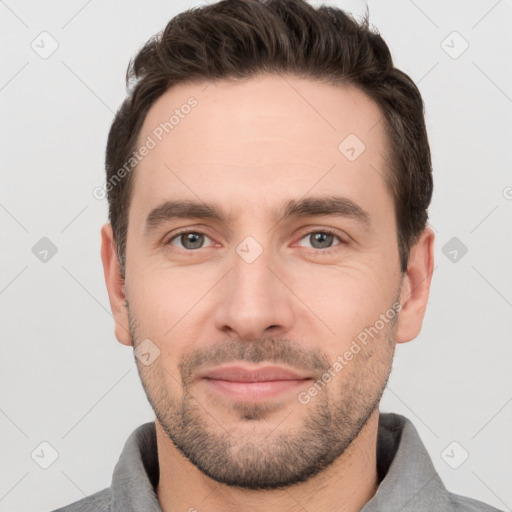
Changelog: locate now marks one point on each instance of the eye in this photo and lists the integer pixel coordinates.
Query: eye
(322, 239)
(189, 240)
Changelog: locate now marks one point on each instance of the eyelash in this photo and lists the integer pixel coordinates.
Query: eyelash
(326, 251)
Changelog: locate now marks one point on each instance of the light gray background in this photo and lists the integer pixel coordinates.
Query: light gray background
(66, 380)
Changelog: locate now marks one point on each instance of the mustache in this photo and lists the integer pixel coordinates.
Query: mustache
(271, 350)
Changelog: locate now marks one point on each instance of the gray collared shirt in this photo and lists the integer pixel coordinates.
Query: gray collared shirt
(408, 480)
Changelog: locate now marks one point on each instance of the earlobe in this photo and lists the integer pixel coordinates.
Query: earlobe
(115, 285)
(415, 287)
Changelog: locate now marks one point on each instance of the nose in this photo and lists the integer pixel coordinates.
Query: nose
(253, 299)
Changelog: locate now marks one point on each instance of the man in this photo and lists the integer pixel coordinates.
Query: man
(268, 178)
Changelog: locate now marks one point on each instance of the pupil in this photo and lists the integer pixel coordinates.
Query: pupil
(192, 240)
(321, 238)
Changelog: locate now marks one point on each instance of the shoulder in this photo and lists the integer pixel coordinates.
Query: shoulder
(93, 503)
(465, 504)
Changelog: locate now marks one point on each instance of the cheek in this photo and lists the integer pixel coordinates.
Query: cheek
(345, 299)
(170, 307)
(165, 302)
(359, 279)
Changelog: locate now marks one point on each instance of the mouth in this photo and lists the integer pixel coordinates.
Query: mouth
(253, 383)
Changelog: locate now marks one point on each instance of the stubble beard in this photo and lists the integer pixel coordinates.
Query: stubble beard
(255, 457)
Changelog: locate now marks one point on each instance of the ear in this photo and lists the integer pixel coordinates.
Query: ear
(415, 287)
(115, 285)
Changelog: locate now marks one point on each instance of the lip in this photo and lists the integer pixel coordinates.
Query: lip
(252, 383)
(243, 373)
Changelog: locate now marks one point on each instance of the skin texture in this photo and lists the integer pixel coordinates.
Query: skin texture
(249, 146)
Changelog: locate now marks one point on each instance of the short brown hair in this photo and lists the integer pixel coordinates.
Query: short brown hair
(245, 38)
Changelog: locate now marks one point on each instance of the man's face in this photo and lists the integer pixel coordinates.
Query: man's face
(223, 297)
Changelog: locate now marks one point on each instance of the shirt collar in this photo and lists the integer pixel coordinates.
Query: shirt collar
(136, 474)
(408, 480)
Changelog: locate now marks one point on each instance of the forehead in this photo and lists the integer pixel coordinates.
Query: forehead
(268, 137)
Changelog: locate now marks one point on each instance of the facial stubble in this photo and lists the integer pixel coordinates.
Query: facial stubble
(257, 457)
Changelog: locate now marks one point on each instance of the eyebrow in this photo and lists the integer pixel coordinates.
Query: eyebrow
(292, 209)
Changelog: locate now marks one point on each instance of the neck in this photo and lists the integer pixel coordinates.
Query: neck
(346, 485)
